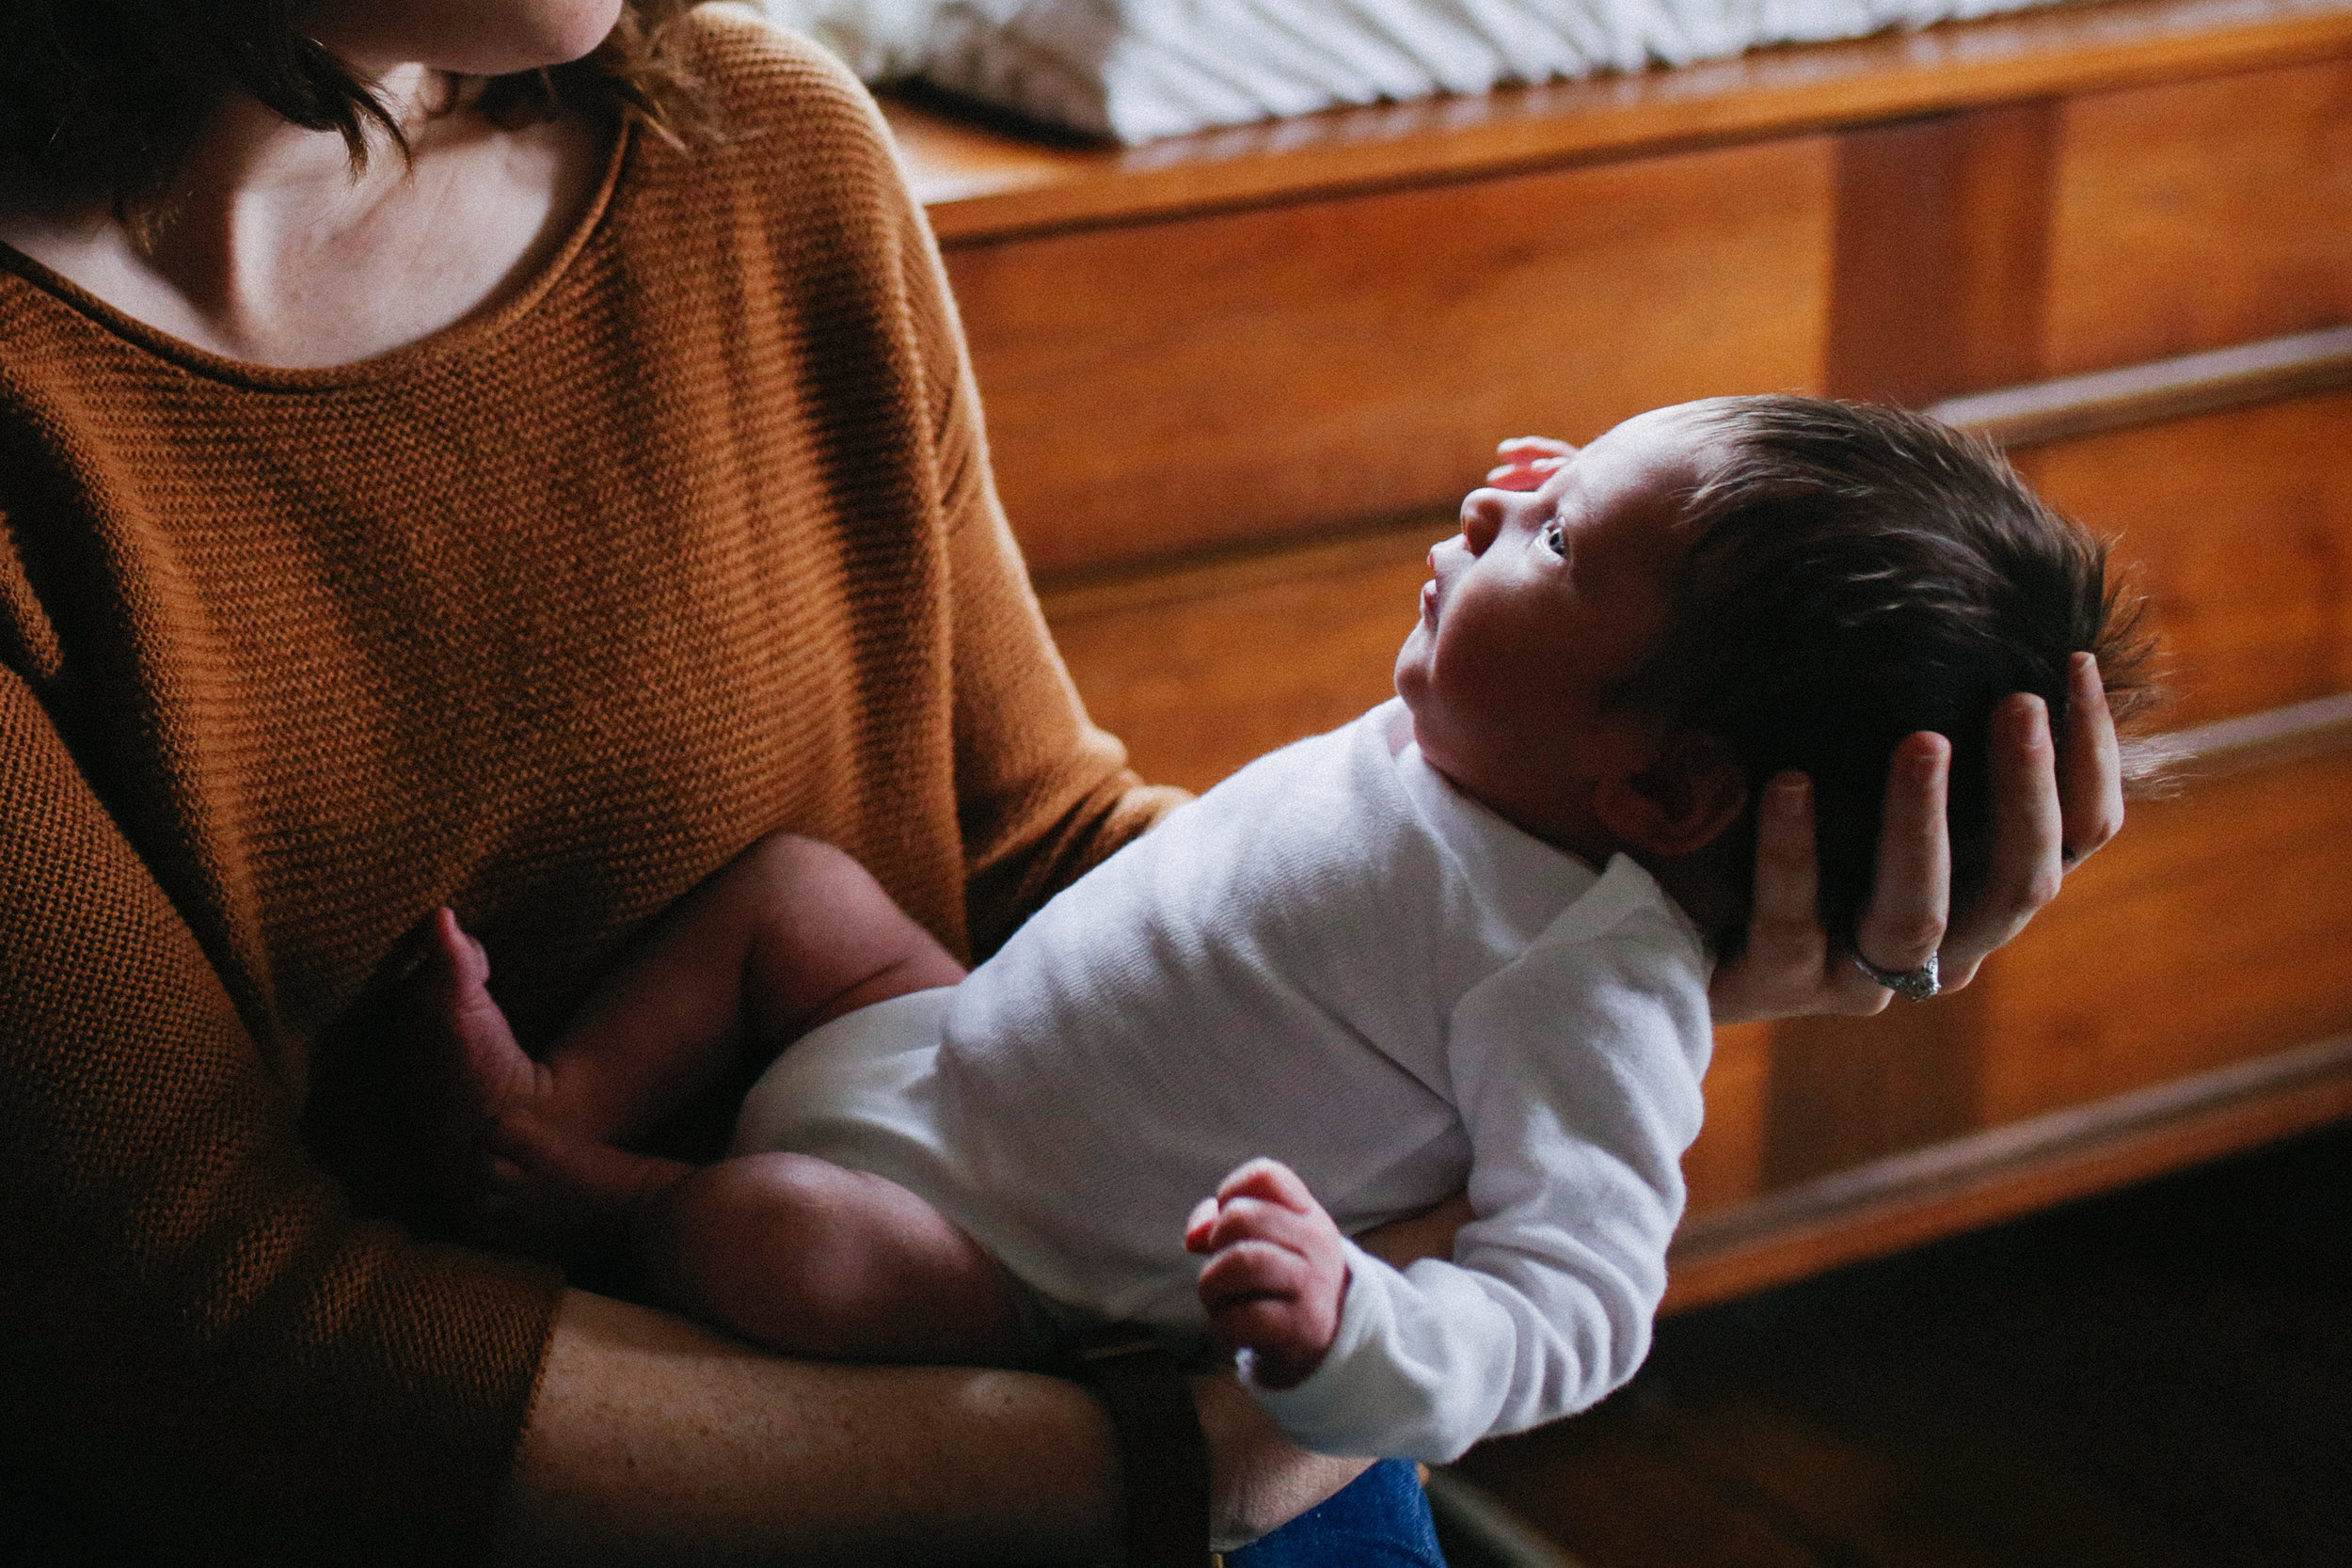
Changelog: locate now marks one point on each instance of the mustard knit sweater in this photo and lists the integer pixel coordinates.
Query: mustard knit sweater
(543, 617)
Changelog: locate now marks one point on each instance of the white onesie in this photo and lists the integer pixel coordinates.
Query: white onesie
(1334, 959)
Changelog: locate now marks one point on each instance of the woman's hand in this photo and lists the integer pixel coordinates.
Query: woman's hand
(1524, 462)
(2053, 806)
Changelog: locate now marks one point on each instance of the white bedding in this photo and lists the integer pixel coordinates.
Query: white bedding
(1135, 70)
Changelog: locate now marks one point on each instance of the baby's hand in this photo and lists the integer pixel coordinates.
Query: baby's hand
(1276, 1270)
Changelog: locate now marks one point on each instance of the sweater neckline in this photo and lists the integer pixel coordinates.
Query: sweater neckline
(466, 332)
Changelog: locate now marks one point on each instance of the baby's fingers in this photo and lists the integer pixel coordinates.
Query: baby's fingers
(1252, 1270)
(1250, 1219)
(1270, 1181)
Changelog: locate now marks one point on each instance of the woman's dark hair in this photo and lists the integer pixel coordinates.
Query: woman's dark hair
(1856, 574)
(108, 97)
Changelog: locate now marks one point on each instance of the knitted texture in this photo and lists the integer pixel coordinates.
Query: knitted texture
(543, 617)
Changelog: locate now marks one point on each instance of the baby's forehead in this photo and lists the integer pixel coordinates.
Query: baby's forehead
(1650, 468)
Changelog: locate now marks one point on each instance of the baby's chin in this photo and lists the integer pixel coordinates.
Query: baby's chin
(1411, 676)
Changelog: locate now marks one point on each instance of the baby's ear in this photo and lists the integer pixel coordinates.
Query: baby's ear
(1691, 789)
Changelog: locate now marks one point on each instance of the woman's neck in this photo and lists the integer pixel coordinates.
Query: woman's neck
(269, 249)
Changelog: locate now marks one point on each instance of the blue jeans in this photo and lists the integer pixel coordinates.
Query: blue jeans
(1381, 1519)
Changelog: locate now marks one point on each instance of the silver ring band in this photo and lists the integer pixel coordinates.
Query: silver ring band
(1912, 984)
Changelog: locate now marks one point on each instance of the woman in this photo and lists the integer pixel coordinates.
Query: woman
(525, 517)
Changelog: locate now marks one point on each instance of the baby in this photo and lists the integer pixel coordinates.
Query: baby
(1459, 945)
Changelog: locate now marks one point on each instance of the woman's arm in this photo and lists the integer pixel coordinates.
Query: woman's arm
(653, 1441)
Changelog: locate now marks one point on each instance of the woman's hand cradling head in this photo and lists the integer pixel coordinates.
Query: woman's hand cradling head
(2047, 819)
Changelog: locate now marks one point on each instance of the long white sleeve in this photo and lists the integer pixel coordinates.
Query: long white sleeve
(1576, 1072)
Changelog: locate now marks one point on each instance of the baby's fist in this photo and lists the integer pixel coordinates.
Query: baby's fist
(1276, 1270)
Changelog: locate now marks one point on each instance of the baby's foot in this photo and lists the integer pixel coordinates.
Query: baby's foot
(1276, 1270)
(473, 1079)
(514, 1174)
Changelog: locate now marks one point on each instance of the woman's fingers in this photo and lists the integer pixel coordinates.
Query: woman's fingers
(1911, 897)
(2053, 804)
(1784, 969)
(1526, 461)
(2090, 768)
(2026, 838)
(1520, 448)
(1783, 930)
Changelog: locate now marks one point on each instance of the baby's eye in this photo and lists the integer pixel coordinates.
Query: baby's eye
(1555, 538)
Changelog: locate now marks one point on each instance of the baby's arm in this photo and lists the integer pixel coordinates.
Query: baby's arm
(1277, 1272)
(1576, 1074)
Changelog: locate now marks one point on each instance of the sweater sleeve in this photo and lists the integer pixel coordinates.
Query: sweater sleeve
(199, 1339)
(1577, 1073)
(1044, 794)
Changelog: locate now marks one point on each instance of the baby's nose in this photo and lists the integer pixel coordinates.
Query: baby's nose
(1481, 516)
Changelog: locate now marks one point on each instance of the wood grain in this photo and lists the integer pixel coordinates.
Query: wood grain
(980, 183)
(2198, 214)
(2156, 390)
(1903, 1202)
(1844, 1091)
(1201, 669)
(2239, 526)
(1726, 1167)
(2212, 931)
(1162, 389)
(1942, 223)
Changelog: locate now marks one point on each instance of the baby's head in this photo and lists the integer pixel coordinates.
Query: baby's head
(1712, 592)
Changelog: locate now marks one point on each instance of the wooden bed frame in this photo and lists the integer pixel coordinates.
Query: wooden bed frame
(1237, 382)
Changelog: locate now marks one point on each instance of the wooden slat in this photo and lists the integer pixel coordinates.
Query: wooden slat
(2238, 526)
(2234, 377)
(2195, 214)
(980, 183)
(1942, 228)
(2213, 929)
(2259, 740)
(1201, 669)
(1163, 388)
(1904, 1201)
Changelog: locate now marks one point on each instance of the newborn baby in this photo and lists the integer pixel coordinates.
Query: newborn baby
(1461, 944)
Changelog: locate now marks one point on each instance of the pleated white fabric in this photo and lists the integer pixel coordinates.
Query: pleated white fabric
(1137, 69)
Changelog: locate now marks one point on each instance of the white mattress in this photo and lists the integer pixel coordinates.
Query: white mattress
(1135, 70)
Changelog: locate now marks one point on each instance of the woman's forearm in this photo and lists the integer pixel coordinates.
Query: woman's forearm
(653, 1441)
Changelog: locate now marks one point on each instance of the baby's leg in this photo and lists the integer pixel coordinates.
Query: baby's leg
(813, 1259)
(789, 934)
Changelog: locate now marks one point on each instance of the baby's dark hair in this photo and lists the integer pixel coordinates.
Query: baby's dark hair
(1856, 574)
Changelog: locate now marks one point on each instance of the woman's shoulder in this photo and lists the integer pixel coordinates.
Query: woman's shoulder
(767, 83)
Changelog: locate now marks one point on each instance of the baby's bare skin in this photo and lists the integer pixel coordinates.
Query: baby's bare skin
(787, 1250)
(792, 1252)
(1276, 1274)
